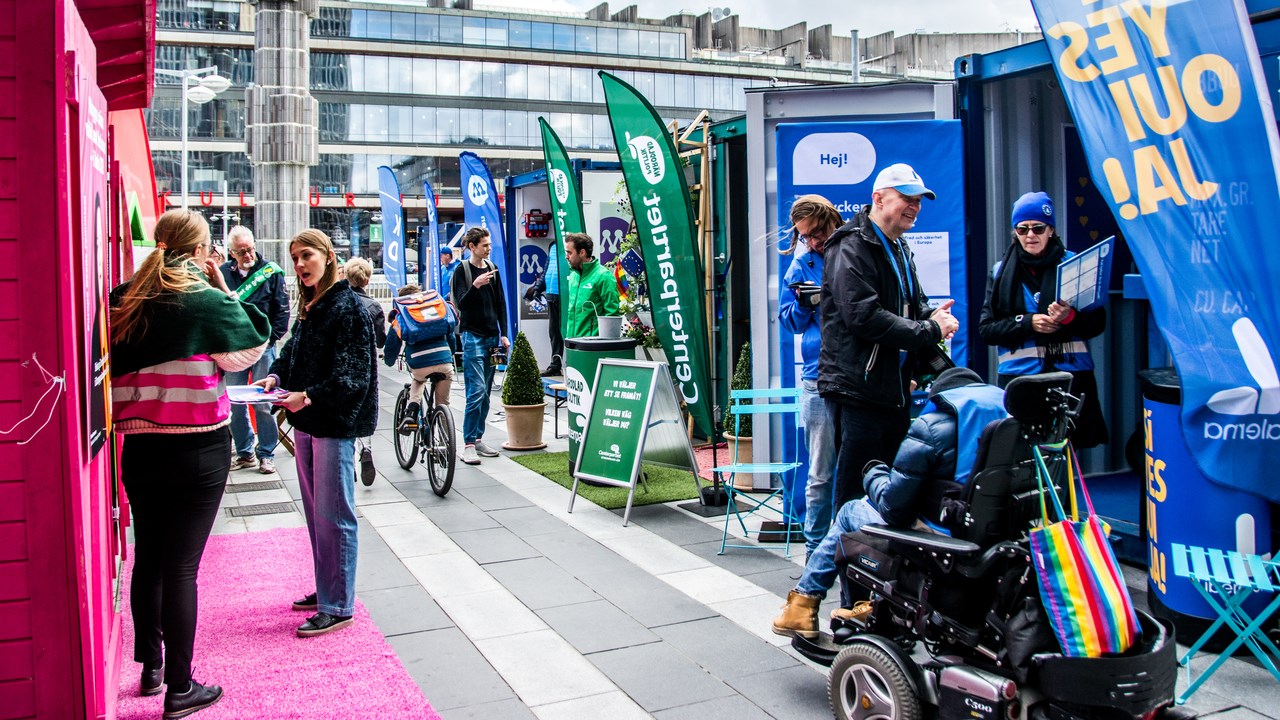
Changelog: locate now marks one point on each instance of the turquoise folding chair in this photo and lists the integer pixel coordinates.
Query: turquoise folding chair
(764, 405)
(1225, 580)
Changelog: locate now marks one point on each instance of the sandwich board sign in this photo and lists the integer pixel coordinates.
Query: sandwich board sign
(634, 416)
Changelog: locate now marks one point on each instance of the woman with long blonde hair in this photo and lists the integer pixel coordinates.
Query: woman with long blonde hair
(813, 220)
(328, 367)
(174, 331)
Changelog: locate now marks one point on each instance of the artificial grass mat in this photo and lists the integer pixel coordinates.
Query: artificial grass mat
(664, 484)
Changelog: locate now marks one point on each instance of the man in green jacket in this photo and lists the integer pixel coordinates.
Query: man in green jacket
(592, 289)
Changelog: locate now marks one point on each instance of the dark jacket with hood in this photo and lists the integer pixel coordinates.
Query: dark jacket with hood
(271, 297)
(863, 326)
(331, 356)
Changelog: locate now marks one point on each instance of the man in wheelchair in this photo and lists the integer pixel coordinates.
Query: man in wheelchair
(917, 492)
(954, 627)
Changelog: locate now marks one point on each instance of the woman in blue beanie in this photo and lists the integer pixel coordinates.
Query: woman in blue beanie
(1030, 328)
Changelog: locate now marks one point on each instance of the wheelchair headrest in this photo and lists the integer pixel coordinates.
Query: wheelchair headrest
(1037, 398)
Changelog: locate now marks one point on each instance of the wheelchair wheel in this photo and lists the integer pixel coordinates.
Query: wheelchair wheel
(867, 684)
(406, 445)
(439, 446)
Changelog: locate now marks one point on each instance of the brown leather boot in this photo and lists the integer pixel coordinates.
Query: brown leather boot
(860, 612)
(799, 617)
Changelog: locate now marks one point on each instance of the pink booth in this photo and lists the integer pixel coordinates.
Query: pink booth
(68, 69)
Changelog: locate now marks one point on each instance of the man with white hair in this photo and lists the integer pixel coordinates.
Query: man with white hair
(876, 322)
(258, 282)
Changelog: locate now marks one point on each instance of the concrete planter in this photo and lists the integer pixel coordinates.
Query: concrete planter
(524, 426)
(742, 446)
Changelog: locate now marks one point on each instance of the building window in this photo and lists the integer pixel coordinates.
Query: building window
(672, 45)
(473, 31)
(586, 38)
(543, 36)
(379, 25)
(607, 40)
(564, 38)
(428, 27)
(519, 34)
(402, 27)
(628, 41)
(650, 44)
(451, 29)
(495, 32)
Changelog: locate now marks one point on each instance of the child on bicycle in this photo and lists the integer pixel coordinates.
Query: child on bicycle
(432, 356)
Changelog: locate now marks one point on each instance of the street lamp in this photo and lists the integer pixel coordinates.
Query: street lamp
(208, 83)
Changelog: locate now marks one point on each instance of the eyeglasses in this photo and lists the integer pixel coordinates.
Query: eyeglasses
(242, 252)
(1037, 229)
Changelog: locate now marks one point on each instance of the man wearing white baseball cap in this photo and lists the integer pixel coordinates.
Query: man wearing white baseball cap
(875, 319)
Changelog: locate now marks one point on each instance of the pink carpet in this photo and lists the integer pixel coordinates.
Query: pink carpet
(723, 456)
(245, 642)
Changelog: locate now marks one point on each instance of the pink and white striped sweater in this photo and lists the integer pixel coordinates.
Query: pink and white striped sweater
(179, 396)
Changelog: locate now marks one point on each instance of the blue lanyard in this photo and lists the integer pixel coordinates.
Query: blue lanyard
(907, 290)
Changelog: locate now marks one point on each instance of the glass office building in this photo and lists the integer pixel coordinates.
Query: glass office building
(411, 86)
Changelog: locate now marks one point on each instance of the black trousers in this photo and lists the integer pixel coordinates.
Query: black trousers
(863, 434)
(174, 484)
(553, 331)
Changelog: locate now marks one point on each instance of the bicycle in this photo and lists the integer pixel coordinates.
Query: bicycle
(434, 438)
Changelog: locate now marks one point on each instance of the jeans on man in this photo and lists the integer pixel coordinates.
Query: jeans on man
(241, 430)
(820, 571)
(326, 469)
(477, 373)
(863, 434)
(819, 490)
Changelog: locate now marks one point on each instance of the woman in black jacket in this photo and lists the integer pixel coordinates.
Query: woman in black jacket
(1031, 329)
(328, 365)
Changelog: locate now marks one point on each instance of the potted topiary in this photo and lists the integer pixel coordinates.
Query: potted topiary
(522, 398)
(740, 444)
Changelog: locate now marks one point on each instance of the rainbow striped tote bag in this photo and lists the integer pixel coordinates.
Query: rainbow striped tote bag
(1081, 585)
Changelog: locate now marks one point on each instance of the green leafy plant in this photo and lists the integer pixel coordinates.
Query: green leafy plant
(741, 381)
(523, 384)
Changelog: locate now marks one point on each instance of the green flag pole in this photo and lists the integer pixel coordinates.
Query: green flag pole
(566, 208)
(660, 200)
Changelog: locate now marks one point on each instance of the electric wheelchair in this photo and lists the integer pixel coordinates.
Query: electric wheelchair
(957, 630)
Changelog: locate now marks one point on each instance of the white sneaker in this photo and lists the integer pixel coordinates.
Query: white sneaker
(469, 455)
(484, 450)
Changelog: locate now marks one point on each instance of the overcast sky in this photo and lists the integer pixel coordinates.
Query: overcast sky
(868, 17)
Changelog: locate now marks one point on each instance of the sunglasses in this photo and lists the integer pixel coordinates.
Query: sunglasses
(1037, 229)
(242, 252)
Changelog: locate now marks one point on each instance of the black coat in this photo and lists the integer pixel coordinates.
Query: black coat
(863, 329)
(331, 356)
(271, 297)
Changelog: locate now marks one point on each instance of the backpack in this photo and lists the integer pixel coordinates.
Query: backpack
(423, 316)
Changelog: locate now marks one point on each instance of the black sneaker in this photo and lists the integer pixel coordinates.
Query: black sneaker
(551, 372)
(197, 697)
(321, 623)
(308, 603)
(409, 424)
(152, 678)
(367, 471)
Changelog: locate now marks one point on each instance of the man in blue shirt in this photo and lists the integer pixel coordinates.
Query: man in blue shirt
(552, 280)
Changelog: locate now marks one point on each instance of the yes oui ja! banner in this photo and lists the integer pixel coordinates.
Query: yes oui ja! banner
(664, 219)
(393, 264)
(1178, 129)
(480, 209)
(566, 205)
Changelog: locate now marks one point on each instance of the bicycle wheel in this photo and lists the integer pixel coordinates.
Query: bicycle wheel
(406, 445)
(439, 449)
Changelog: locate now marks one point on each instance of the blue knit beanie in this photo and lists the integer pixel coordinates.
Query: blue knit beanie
(1034, 207)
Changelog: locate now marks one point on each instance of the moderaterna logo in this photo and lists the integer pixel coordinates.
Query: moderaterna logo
(646, 151)
(1264, 399)
(478, 191)
(560, 182)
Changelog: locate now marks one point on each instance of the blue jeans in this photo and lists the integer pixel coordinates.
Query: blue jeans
(326, 468)
(477, 373)
(819, 491)
(241, 430)
(820, 572)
